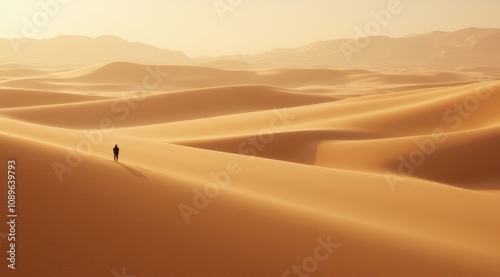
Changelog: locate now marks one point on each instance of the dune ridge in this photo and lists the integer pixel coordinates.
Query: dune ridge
(293, 157)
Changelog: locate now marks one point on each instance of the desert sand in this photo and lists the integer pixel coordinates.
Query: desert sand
(369, 171)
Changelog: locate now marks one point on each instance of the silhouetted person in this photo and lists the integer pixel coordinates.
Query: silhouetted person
(116, 151)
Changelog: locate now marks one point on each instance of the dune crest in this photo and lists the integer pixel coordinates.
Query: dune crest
(351, 170)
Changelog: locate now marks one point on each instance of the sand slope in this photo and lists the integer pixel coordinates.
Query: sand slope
(295, 167)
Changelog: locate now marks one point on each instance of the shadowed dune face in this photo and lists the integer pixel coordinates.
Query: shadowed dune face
(382, 171)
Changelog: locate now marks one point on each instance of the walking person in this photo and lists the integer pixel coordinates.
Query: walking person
(116, 151)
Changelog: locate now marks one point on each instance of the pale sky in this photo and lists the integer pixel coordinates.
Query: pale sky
(197, 28)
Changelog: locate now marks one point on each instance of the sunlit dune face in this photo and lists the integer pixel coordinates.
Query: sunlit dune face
(317, 168)
(370, 156)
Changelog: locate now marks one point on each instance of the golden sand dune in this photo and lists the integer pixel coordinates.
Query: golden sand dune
(17, 98)
(167, 107)
(252, 173)
(123, 76)
(20, 72)
(170, 77)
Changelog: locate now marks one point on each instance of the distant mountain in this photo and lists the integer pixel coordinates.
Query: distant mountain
(467, 47)
(80, 50)
(472, 46)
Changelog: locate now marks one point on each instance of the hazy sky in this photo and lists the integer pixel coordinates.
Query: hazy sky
(197, 27)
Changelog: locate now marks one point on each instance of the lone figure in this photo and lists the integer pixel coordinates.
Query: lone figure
(116, 151)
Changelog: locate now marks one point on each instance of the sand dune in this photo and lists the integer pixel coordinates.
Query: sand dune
(167, 107)
(20, 72)
(12, 98)
(181, 77)
(348, 159)
(122, 76)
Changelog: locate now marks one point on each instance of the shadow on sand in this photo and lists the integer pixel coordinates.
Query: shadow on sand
(138, 174)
